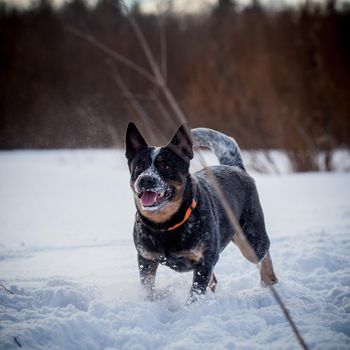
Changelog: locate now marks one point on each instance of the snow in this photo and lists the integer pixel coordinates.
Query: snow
(67, 254)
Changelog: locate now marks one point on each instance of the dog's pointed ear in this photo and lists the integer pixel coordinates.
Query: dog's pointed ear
(182, 143)
(134, 141)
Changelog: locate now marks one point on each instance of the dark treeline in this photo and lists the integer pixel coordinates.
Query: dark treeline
(272, 79)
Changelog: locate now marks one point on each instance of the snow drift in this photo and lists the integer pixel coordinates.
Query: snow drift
(67, 254)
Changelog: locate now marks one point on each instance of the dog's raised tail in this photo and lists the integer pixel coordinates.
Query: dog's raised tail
(224, 147)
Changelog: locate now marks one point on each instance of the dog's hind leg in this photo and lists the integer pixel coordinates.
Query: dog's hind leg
(213, 282)
(254, 243)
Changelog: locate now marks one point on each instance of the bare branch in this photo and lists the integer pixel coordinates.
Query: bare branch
(135, 104)
(113, 54)
(6, 289)
(144, 45)
(17, 342)
(288, 317)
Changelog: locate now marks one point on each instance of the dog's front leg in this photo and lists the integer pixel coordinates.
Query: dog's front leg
(148, 270)
(201, 277)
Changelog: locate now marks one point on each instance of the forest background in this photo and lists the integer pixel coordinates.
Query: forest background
(274, 78)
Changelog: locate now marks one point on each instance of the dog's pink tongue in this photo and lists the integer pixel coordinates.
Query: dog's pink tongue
(148, 198)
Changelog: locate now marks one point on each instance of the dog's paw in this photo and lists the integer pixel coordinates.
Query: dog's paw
(269, 280)
(266, 272)
(195, 296)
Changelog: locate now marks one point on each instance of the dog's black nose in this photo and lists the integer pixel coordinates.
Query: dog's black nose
(147, 182)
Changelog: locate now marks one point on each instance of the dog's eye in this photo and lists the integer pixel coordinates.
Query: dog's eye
(165, 167)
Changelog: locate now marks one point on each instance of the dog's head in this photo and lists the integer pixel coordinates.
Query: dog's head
(158, 175)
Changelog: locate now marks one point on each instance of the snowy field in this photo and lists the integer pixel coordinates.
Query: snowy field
(67, 254)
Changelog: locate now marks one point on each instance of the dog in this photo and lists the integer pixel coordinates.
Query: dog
(180, 220)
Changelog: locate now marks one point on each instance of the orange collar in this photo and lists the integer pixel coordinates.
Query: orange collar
(187, 215)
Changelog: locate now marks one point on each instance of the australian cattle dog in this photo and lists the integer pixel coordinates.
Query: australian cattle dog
(180, 220)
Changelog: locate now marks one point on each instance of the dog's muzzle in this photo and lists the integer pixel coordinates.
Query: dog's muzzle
(151, 191)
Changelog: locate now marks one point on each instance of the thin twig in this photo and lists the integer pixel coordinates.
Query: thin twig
(135, 104)
(145, 47)
(111, 53)
(17, 342)
(154, 66)
(6, 289)
(123, 87)
(162, 40)
(288, 317)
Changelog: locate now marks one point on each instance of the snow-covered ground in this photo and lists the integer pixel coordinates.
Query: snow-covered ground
(67, 254)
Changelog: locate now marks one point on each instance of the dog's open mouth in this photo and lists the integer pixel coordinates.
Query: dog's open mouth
(153, 199)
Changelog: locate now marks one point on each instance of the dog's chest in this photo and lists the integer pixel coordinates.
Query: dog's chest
(179, 257)
(179, 261)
